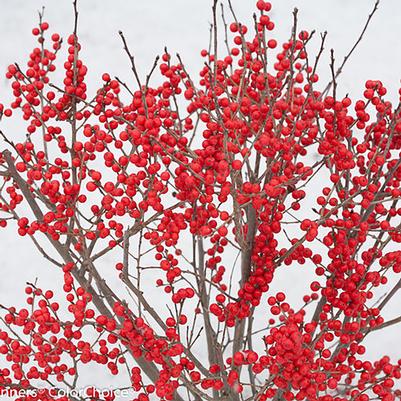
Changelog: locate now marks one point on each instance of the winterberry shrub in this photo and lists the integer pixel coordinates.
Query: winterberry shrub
(201, 191)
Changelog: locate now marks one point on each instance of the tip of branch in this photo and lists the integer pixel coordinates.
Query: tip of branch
(41, 13)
